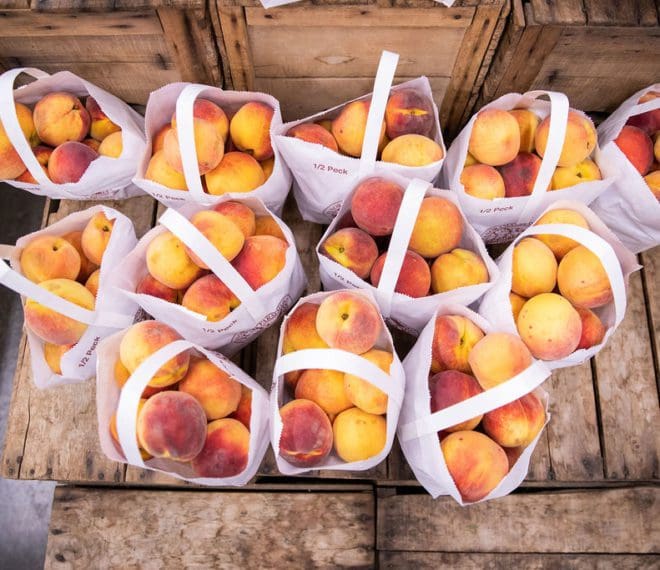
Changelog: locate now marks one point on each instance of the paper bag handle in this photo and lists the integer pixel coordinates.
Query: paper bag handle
(640, 108)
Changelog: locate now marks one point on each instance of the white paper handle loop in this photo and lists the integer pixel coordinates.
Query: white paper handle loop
(195, 240)
(640, 108)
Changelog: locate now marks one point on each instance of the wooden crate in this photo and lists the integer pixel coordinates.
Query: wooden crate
(315, 55)
(128, 47)
(598, 52)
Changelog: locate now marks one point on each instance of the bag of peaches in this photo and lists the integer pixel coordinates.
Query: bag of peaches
(630, 139)
(218, 276)
(337, 385)
(474, 410)
(392, 130)
(410, 245)
(518, 155)
(64, 137)
(227, 147)
(63, 272)
(168, 405)
(562, 285)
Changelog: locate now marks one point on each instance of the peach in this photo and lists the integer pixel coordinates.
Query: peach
(213, 388)
(560, 245)
(250, 130)
(458, 268)
(579, 140)
(533, 269)
(520, 174)
(482, 181)
(656, 149)
(208, 111)
(51, 326)
(92, 282)
(96, 236)
(261, 260)
(267, 166)
(498, 357)
(11, 164)
(27, 177)
(470, 161)
(653, 181)
(637, 146)
(517, 303)
(313, 133)
(408, 112)
(300, 330)
(42, 153)
(161, 172)
(121, 373)
(528, 122)
(150, 286)
(325, 388)
(326, 124)
(375, 205)
(60, 117)
(158, 142)
(593, 329)
(143, 339)
(115, 435)
(361, 393)
(209, 145)
(567, 176)
(240, 214)
(451, 387)
(475, 462)
(352, 248)
(582, 279)
(412, 150)
(267, 226)
(86, 266)
(69, 162)
(172, 425)
(549, 326)
(169, 263)
(306, 438)
(225, 451)
(359, 435)
(349, 126)
(112, 145)
(495, 137)
(53, 355)
(243, 412)
(92, 143)
(649, 122)
(348, 321)
(438, 228)
(220, 231)
(454, 337)
(516, 424)
(100, 125)
(210, 297)
(50, 257)
(414, 277)
(236, 172)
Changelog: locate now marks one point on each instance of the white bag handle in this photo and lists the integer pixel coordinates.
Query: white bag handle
(403, 228)
(181, 227)
(640, 108)
(379, 97)
(524, 383)
(342, 361)
(12, 127)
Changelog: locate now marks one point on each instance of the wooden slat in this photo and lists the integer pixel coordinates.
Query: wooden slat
(651, 262)
(93, 528)
(588, 521)
(235, 37)
(609, 12)
(110, 5)
(558, 12)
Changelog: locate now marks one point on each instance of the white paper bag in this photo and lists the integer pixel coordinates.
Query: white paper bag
(324, 177)
(180, 97)
(258, 309)
(502, 219)
(125, 401)
(106, 178)
(618, 262)
(334, 359)
(112, 311)
(628, 207)
(402, 311)
(418, 427)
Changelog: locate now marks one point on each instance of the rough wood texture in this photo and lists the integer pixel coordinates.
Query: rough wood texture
(651, 261)
(109, 5)
(99, 528)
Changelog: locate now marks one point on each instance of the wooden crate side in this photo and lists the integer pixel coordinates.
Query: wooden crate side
(110, 5)
(651, 262)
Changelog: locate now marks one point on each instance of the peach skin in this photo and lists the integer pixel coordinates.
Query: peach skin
(53, 355)
(209, 144)
(150, 286)
(220, 231)
(375, 205)
(243, 412)
(92, 282)
(261, 260)
(11, 164)
(100, 125)
(362, 393)
(96, 236)
(225, 451)
(352, 248)
(168, 262)
(210, 297)
(240, 214)
(412, 150)
(495, 137)
(482, 181)
(593, 329)
(408, 112)
(69, 161)
(161, 172)
(414, 277)
(325, 388)
(438, 228)
(349, 126)
(458, 268)
(359, 435)
(560, 245)
(516, 424)
(315, 134)
(528, 122)
(214, 389)
(454, 337)
(60, 117)
(498, 357)
(451, 387)
(579, 140)
(582, 279)
(250, 130)
(236, 172)
(49, 257)
(533, 269)
(267, 226)
(519, 175)
(306, 438)
(208, 111)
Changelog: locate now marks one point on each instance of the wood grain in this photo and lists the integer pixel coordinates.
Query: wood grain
(651, 261)
(557, 12)
(235, 37)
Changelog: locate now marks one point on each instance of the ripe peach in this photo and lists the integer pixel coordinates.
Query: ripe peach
(470, 161)
(161, 172)
(223, 234)
(653, 181)
(315, 134)
(520, 174)
(306, 438)
(412, 150)
(516, 424)
(533, 269)
(579, 140)
(42, 154)
(210, 297)
(112, 145)
(267, 226)
(495, 137)
(100, 125)
(349, 126)
(482, 181)
(93, 144)
(528, 122)
(213, 388)
(50, 257)
(517, 303)
(150, 286)
(359, 435)
(121, 373)
(172, 425)
(27, 177)
(168, 262)
(115, 435)
(261, 260)
(300, 331)
(593, 329)
(69, 162)
(348, 321)
(453, 339)
(236, 172)
(375, 205)
(498, 357)
(11, 164)
(408, 112)
(240, 214)
(475, 462)
(567, 176)
(205, 110)
(326, 124)
(53, 355)
(267, 166)
(649, 122)
(451, 387)
(438, 228)
(86, 266)
(582, 279)
(60, 117)
(325, 388)
(560, 245)
(243, 412)
(96, 236)
(51, 326)
(225, 451)
(458, 268)
(209, 145)
(250, 130)
(143, 339)
(92, 282)
(363, 394)
(637, 146)
(414, 277)
(354, 249)
(158, 142)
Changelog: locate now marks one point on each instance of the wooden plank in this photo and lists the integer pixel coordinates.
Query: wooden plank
(609, 12)
(110, 5)
(14, 4)
(99, 528)
(651, 261)
(617, 521)
(237, 47)
(567, 12)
